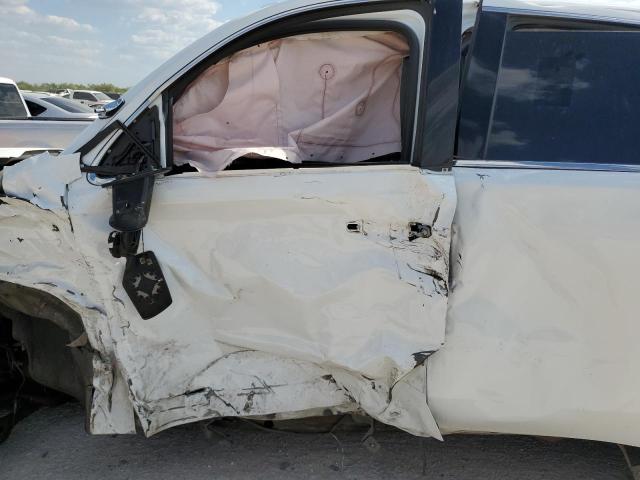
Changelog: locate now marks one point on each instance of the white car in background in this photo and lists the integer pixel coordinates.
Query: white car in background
(92, 98)
(23, 134)
(46, 105)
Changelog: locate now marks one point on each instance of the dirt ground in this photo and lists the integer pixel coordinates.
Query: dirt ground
(52, 444)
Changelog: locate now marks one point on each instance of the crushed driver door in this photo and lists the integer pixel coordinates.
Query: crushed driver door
(309, 289)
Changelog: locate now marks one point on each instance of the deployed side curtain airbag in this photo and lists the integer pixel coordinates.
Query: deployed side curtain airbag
(330, 97)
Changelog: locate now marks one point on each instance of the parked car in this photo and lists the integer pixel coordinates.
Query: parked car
(23, 135)
(113, 95)
(307, 213)
(45, 105)
(91, 98)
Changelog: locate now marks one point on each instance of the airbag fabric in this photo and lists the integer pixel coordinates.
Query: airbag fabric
(330, 97)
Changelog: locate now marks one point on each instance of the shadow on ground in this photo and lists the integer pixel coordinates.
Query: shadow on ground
(52, 444)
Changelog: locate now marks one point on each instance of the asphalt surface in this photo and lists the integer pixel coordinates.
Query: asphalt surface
(52, 444)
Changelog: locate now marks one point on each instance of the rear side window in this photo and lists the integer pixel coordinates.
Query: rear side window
(35, 109)
(83, 96)
(10, 102)
(567, 96)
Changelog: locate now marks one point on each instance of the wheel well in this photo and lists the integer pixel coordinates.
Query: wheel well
(36, 330)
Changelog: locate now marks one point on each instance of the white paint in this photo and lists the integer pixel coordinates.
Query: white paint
(12, 153)
(271, 290)
(543, 324)
(42, 179)
(263, 261)
(38, 134)
(313, 312)
(606, 10)
(469, 13)
(39, 250)
(275, 299)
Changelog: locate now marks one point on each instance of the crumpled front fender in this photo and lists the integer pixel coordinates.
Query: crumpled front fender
(38, 249)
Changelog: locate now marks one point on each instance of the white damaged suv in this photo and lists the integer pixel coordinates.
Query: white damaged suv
(424, 212)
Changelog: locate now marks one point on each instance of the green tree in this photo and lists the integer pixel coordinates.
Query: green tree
(55, 87)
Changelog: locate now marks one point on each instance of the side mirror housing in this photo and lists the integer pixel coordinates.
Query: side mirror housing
(109, 109)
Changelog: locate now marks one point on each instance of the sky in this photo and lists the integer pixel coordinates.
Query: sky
(95, 41)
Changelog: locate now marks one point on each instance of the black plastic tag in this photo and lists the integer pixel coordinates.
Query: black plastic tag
(145, 284)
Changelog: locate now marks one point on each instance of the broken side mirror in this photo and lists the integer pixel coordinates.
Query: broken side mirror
(109, 109)
(134, 161)
(131, 203)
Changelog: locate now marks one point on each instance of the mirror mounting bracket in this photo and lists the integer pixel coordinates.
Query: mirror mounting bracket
(134, 163)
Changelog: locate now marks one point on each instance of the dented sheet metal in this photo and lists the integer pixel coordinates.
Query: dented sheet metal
(280, 307)
(38, 249)
(542, 330)
(43, 179)
(295, 292)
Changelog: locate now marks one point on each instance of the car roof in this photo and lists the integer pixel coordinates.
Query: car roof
(7, 80)
(34, 95)
(604, 10)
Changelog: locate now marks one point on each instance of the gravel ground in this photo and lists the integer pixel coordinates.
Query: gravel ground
(52, 444)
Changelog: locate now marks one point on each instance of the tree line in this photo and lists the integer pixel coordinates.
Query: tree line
(55, 87)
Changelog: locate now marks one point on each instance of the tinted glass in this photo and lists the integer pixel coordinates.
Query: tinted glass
(10, 102)
(101, 96)
(479, 85)
(83, 96)
(34, 108)
(68, 105)
(567, 96)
